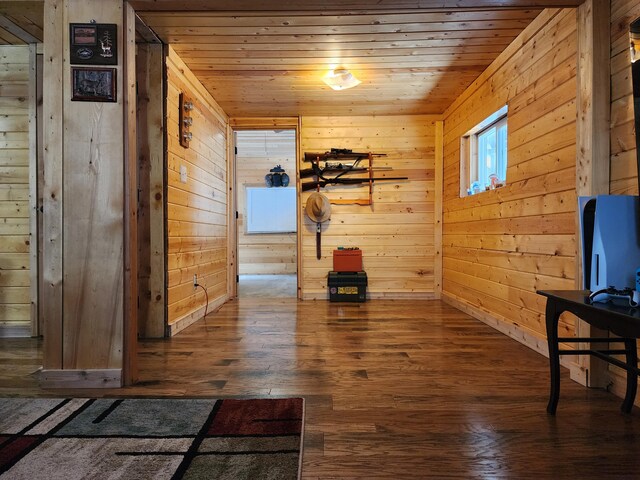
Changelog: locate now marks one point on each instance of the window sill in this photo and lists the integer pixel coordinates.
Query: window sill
(471, 194)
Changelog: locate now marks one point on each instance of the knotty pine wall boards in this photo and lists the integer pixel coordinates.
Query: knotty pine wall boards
(150, 73)
(89, 210)
(624, 171)
(624, 174)
(15, 110)
(396, 233)
(500, 246)
(197, 207)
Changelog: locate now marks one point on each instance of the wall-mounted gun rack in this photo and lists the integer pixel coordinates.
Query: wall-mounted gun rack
(333, 168)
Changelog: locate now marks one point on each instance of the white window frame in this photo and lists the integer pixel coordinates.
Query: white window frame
(469, 150)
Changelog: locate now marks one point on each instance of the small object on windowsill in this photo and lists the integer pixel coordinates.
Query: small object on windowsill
(475, 187)
(493, 179)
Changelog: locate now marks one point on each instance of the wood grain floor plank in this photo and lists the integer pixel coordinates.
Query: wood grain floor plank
(393, 389)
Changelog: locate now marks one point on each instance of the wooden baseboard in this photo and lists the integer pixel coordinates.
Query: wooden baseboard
(505, 326)
(182, 323)
(377, 296)
(15, 331)
(579, 374)
(402, 296)
(98, 378)
(618, 385)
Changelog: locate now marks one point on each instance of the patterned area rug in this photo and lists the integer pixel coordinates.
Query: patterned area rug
(150, 438)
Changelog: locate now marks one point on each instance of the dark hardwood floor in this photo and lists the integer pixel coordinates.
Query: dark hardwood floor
(393, 389)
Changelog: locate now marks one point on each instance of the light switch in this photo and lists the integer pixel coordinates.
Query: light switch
(183, 173)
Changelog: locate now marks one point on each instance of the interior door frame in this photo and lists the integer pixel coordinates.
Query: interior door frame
(36, 180)
(275, 123)
(152, 188)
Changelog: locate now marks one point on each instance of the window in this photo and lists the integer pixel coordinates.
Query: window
(271, 210)
(484, 155)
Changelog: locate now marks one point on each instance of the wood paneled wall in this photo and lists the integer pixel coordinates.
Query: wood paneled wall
(624, 174)
(258, 152)
(15, 299)
(92, 219)
(197, 208)
(624, 171)
(500, 246)
(396, 234)
(150, 71)
(86, 191)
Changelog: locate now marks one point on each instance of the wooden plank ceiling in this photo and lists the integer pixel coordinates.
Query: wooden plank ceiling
(267, 57)
(21, 22)
(269, 60)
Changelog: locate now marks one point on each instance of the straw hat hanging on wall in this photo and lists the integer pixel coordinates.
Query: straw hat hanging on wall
(318, 209)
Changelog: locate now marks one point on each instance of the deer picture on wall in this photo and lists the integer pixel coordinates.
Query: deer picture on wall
(106, 43)
(93, 84)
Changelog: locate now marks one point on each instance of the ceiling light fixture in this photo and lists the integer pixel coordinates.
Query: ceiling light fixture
(340, 79)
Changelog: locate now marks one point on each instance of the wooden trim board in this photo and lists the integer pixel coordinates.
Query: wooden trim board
(437, 228)
(194, 316)
(232, 208)
(592, 148)
(33, 188)
(99, 378)
(130, 230)
(15, 331)
(53, 110)
(151, 221)
(376, 296)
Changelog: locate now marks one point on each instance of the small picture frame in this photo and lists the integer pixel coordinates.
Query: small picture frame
(93, 43)
(92, 84)
(84, 34)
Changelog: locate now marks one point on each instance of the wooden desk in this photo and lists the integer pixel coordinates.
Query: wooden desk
(621, 321)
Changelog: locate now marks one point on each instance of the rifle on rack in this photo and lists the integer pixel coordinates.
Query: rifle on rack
(337, 169)
(339, 153)
(321, 171)
(344, 181)
(334, 169)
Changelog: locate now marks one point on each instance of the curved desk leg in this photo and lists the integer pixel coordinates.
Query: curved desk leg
(552, 316)
(632, 377)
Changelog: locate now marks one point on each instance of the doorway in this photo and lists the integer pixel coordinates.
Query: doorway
(267, 213)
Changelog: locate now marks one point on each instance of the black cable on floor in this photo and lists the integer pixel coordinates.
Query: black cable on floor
(206, 305)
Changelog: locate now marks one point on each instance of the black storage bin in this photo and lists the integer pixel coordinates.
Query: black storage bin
(347, 286)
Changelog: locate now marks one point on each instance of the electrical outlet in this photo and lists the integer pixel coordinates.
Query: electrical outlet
(195, 281)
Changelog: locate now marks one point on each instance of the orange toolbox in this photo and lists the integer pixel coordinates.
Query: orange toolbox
(347, 260)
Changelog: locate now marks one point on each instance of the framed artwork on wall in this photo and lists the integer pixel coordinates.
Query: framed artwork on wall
(93, 43)
(93, 84)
